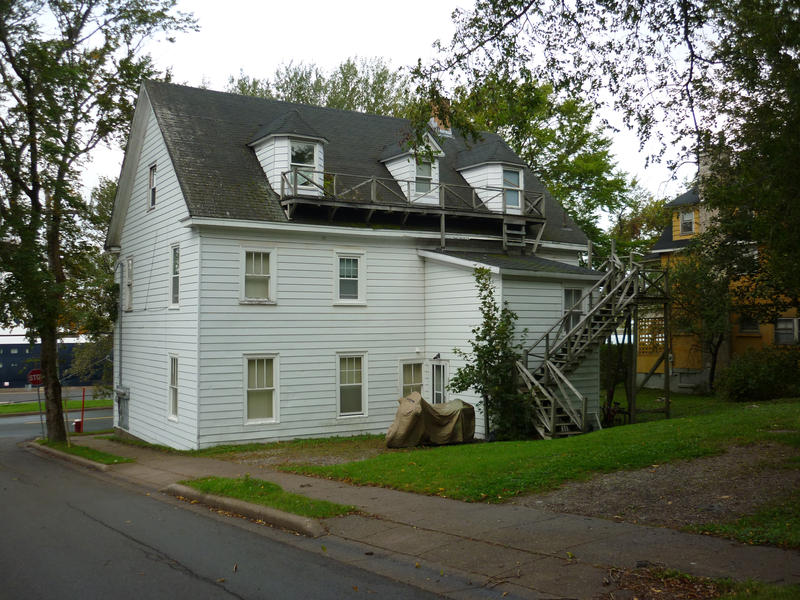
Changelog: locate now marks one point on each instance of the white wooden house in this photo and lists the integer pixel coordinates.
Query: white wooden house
(290, 271)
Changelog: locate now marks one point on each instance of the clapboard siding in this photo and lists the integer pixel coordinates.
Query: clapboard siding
(153, 330)
(451, 312)
(306, 329)
(539, 304)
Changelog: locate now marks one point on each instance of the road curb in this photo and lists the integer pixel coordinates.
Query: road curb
(36, 412)
(304, 525)
(79, 460)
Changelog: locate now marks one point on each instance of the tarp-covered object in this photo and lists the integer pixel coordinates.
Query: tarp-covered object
(417, 422)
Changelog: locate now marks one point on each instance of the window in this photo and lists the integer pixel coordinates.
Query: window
(687, 222)
(411, 378)
(350, 278)
(572, 308)
(424, 177)
(175, 276)
(257, 285)
(511, 189)
(152, 187)
(748, 325)
(128, 301)
(303, 163)
(786, 331)
(173, 386)
(439, 382)
(351, 384)
(261, 388)
(14, 350)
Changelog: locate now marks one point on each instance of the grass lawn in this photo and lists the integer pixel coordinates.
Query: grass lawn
(22, 407)
(258, 491)
(776, 524)
(497, 471)
(90, 453)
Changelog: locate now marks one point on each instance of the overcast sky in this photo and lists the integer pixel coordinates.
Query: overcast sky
(257, 36)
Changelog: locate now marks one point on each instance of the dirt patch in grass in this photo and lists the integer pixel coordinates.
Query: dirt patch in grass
(313, 452)
(688, 492)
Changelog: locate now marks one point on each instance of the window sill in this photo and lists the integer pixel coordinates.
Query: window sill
(350, 303)
(752, 334)
(259, 422)
(174, 307)
(172, 418)
(255, 301)
(353, 416)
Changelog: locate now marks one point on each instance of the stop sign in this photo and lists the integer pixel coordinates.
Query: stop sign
(35, 377)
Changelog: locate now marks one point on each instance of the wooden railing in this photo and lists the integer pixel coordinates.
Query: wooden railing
(303, 183)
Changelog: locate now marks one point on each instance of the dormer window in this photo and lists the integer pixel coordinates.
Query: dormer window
(303, 162)
(512, 190)
(424, 177)
(687, 222)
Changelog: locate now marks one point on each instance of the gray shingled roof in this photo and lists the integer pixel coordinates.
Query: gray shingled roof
(207, 135)
(489, 149)
(290, 123)
(685, 199)
(530, 263)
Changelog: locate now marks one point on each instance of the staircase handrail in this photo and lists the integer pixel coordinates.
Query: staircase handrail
(613, 267)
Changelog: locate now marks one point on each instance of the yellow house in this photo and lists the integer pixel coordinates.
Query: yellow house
(689, 366)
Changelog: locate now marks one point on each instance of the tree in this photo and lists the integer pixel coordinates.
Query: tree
(700, 291)
(365, 85)
(491, 366)
(69, 75)
(717, 79)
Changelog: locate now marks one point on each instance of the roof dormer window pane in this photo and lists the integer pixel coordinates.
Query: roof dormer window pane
(424, 178)
(687, 222)
(511, 188)
(302, 162)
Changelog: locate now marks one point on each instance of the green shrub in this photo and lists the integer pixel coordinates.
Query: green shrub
(759, 375)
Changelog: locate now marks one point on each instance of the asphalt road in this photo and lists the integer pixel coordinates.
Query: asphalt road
(69, 534)
(28, 426)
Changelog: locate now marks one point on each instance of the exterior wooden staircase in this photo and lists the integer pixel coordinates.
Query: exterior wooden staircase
(560, 409)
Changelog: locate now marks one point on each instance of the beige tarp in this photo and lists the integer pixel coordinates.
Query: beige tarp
(417, 422)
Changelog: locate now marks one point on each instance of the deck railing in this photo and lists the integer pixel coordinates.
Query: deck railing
(305, 184)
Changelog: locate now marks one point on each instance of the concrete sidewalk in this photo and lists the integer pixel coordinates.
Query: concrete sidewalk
(495, 548)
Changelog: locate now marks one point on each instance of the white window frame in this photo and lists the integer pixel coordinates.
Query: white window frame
(127, 303)
(173, 387)
(425, 180)
(364, 387)
(272, 275)
(401, 382)
(152, 186)
(173, 276)
(443, 365)
(684, 220)
(575, 315)
(304, 166)
(275, 388)
(509, 188)
(795, 327)
(361, 257)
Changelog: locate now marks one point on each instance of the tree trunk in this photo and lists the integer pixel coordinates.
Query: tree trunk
(56, 431)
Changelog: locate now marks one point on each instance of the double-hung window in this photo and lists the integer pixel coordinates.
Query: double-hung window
(151, 185)
(572, 308)
(438, 383)
(173, 386)
(262, 389)
(128, 300)
(351, 384)
(786, 332)
(424, 178)
(302, 162)
(687, 222)
(175, 276)
(412, 378)
(350, 274)
(512, 189)
(258, 284)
